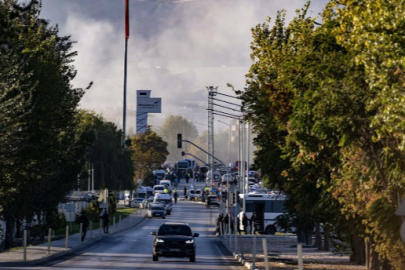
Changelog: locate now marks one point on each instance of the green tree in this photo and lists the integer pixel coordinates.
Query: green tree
(149, 152)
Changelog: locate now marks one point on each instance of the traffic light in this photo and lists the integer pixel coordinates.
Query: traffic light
(179, 141)
(183, 153)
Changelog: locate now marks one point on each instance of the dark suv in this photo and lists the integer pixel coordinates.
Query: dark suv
(174, 240)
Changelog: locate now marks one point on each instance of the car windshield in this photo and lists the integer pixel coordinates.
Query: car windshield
(174, 230)
(198, 192)
(158, 188)
(157, 208)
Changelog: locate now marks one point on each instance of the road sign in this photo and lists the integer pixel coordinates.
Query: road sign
(149, 105)
(70, 207)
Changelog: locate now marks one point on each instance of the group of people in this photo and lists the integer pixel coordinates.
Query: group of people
(223, 221)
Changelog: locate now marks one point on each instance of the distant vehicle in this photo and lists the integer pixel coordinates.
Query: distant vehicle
(159, 174)
(168, 184)
(191, 163)
(156, 210)
(182, 165)
(144, 192)
(192, 194)
(266, 206)
(136, 202)
(158, 189)
(174, 240)
(226, 178)
(212, 200)
(166, 199)
(216, 176)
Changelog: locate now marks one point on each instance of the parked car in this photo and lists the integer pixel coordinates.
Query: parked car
(174, 240)
(157, 210)
(136, 202)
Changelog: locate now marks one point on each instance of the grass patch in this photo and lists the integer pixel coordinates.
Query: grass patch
(123, 212)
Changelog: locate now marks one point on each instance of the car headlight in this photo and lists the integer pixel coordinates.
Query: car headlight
(160, 240)
(190, 241)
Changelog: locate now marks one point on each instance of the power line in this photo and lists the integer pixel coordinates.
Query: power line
(227, 95)
(226, 116)
(223, 112)
(227, 108)
(227, 102)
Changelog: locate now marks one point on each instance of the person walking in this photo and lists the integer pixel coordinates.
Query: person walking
(187, 177)
(106, 222)
(85, 222)
(176, 182)
(185, 192)
(245, 222)
(219, 224)
(175, 195)
(226, 222)
(252, 222)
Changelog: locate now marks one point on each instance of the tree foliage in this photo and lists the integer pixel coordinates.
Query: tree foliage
(173, 125)
(327, 104)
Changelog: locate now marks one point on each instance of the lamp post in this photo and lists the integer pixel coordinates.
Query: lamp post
(212, 92)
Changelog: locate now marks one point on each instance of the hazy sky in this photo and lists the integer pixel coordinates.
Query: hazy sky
(176, 49)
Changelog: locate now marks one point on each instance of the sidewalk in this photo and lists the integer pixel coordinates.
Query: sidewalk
(39, 254)
(282, 254)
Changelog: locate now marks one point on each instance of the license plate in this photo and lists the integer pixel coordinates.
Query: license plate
(175, 249)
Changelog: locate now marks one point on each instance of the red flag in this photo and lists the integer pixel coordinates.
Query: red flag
(127, 19)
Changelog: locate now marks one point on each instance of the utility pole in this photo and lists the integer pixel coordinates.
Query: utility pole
(92, 177)
(212, 92)
(124, 105)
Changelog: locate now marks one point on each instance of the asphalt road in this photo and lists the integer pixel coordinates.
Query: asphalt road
(132, 249)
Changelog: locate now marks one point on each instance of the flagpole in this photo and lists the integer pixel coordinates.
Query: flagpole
(124, 116)
(124, 112)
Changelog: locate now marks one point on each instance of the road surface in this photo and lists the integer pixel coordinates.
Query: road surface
(132, 249)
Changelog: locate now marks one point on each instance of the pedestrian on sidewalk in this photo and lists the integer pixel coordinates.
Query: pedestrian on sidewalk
(175, 195)
(85, 222)
(106, 222)
(220, 220)
(226, 221)
(245, 222)
(185, 192)
(252, 223)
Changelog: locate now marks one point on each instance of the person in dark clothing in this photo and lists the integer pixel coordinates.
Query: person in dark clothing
(226, 221)
(187, 177)
(245, 222)
(85, 221)
(185, 192)
(106, 222)
(252, 222)
(175, 195)
(238, 225)
(220, 223)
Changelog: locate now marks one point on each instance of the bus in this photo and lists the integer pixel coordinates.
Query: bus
(266, 206)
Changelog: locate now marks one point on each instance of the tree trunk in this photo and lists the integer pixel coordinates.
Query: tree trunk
(375, 262)
(368, 254)
(308, 237)
(326, 245)
(9, 237)
(360, 250)
(318, 236)
(385, 265)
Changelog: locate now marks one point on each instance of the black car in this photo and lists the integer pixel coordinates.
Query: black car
(212, 200)
(174, 240)
(157, 210)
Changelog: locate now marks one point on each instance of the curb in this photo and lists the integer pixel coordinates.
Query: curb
(65, 252)
(240, 259)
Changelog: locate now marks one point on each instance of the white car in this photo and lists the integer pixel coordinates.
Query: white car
(192, 194)
(227, 178)
(136, 202)
(158, 189)
(167, 183)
